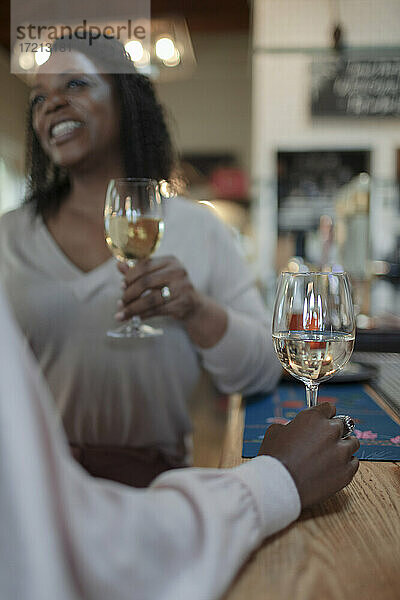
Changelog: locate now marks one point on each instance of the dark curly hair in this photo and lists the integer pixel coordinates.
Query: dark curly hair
(146, 147)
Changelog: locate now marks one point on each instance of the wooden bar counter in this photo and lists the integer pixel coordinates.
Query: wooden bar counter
(346, 547)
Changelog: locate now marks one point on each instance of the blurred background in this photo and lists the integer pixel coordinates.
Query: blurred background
(287, 117)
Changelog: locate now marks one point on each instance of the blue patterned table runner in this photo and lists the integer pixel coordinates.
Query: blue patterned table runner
(379, 435)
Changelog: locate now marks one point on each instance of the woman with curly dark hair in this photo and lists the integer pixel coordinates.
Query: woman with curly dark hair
(123, 402)
(145, 145)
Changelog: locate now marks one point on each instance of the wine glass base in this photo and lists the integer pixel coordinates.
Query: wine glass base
(131, 331)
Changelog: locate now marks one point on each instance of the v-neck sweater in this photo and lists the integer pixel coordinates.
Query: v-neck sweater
(133, 392)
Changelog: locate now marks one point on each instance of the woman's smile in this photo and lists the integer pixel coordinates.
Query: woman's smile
(64, 130)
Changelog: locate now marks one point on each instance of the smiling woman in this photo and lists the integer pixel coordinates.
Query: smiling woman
(74, 114)
(124, 405)
(121, 117)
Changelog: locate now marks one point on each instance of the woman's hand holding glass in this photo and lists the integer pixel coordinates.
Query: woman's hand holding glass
(134, 226)
(146, 288)
(313, 331)
(153, 287)
(204, 319)
(312, 449)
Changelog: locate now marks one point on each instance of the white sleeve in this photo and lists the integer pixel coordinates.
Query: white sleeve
(244, 359)
(66, 535)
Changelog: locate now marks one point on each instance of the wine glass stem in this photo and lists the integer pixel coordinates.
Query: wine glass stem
(135, 323)
(311, 395)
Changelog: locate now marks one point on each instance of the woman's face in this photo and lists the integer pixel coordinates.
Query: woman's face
(74, 111)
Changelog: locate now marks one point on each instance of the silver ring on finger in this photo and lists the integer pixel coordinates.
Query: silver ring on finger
(165, 293)
(348, 424)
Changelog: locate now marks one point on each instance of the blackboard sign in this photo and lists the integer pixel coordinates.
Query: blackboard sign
(356, 87)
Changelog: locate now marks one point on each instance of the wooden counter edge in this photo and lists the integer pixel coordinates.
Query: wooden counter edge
(231, 454)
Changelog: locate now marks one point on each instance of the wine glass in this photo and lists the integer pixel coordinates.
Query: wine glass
(313, 327)
(134, 225)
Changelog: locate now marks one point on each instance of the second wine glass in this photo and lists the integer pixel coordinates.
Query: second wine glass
(313, 326)
(134, 225)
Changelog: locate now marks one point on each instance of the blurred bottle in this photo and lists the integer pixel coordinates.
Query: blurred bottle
(326, 235)
(353, 238)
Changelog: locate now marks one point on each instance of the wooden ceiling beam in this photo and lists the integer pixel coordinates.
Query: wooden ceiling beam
(207, 15)
(201, 15)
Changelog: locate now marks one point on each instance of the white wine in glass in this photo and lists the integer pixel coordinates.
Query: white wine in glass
(134, 226)
(313, 326)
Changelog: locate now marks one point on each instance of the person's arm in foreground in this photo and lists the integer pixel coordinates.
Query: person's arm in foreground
(65, 535)
(229, 325)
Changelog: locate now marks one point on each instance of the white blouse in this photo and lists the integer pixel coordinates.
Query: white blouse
(133, 392)
(67, 536)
